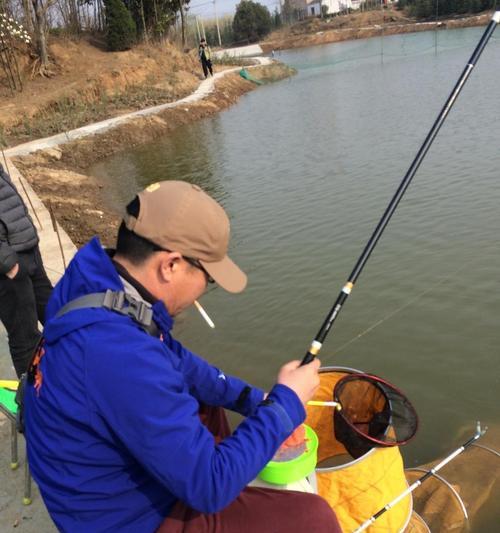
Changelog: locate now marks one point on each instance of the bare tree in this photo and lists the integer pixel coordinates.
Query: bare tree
(183, 24)
(143, 21)
(69, 11)
(40, 9)
(28, 21)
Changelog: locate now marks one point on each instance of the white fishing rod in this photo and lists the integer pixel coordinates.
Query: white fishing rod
(479, 433)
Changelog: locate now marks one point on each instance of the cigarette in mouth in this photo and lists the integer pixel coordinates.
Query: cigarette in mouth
(203, 313)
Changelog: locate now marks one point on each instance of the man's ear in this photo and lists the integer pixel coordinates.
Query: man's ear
(169, 264)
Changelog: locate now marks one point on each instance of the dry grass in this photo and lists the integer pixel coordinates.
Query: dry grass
(69, 113)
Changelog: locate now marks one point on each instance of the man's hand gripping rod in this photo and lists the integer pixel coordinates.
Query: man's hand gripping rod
(346, 290)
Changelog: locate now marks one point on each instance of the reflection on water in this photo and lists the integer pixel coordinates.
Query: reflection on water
(191, 156)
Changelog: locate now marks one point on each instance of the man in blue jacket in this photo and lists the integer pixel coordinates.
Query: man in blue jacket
(115, 438)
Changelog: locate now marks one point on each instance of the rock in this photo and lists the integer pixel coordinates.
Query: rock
(53, 153)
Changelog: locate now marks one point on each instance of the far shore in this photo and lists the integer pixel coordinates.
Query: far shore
(284, 40)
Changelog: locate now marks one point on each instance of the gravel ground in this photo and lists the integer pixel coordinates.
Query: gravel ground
(16, 516)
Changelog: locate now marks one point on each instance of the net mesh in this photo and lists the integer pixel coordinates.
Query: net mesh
(373, 413)
(471, 480)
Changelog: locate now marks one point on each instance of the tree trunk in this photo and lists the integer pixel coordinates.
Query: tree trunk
(183, 29)
(40, 24)
(143, 20)
(28, 21)
(155, 12)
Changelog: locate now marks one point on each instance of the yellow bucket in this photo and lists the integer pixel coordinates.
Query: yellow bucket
(356, 488)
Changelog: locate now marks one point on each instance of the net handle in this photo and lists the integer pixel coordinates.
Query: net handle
(479, 433)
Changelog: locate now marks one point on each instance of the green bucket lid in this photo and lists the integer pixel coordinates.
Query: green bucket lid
(284, 472)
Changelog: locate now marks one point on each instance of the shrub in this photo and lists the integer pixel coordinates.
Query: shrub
(121, 30)
(251, 22)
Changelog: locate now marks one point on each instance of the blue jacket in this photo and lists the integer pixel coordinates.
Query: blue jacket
(114, 437)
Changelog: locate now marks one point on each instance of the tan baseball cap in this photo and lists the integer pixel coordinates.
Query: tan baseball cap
(181, 217)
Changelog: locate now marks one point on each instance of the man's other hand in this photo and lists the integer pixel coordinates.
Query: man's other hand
(12, 273)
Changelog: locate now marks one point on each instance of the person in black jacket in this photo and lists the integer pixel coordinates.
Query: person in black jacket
(24, 285)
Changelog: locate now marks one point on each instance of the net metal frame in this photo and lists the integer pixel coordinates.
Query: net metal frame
(396, 407)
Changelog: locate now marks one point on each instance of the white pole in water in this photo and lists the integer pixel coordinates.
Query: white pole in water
(479, 433)
(436, 29)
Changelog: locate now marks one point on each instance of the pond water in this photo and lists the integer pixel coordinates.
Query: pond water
(305, 168)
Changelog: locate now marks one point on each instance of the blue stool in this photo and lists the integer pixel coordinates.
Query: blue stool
(8, 407)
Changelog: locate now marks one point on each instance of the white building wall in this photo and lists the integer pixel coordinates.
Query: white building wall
(334, 6)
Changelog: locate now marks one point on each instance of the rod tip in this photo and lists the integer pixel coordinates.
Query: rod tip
(479, 430)
(496, 17)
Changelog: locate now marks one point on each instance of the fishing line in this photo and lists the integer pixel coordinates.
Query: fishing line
(404, 306)
(318, 341)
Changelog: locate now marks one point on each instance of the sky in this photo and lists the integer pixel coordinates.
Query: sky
(205, 8)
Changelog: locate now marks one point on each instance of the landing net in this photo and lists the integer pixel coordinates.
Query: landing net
(372, 413)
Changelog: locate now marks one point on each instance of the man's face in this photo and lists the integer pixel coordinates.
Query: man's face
(188, 283)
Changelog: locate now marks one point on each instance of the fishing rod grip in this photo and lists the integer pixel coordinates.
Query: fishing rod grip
(309, 357)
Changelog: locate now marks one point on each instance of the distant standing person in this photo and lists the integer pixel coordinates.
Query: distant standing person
(205, 57)
(24, 285)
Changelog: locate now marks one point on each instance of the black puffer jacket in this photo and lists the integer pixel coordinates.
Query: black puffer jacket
(17, 231)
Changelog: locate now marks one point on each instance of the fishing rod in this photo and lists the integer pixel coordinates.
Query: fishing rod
(479, 433)
(318, 341)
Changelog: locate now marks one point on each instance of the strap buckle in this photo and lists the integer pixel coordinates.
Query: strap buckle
(127, 305)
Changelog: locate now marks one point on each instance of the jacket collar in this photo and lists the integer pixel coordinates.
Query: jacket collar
(133, 287)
